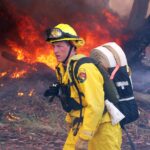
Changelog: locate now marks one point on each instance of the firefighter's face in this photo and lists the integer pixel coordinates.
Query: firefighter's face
(61, 50)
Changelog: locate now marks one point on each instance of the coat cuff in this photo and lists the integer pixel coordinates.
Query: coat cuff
(86, 135)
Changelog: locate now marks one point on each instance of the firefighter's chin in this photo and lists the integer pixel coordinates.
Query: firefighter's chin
(59, 59)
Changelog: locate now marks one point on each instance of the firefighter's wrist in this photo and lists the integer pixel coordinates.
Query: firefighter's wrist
(81, 144)
(86, 135)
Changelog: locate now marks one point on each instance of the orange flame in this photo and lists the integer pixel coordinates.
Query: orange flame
(31, 92)
(20, 94)
(113, 20)
(18, 74)
(12, 117)
(17, 49)
(35, 49)
(3, 74)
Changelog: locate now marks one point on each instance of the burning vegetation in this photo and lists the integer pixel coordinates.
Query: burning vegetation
(28, 42)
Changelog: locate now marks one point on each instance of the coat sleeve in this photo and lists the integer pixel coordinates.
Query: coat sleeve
(58, 72)
(90, 82)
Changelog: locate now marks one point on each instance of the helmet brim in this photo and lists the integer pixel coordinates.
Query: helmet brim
(77, 40)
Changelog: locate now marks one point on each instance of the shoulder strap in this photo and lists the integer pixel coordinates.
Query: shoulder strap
(90, 60)
(80, 62)
(109, 86)
(87, 60)
(71, 72)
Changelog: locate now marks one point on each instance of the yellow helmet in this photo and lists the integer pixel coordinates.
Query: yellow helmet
(64, 32)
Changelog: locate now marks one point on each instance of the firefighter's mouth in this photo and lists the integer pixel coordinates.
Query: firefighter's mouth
(57, 56)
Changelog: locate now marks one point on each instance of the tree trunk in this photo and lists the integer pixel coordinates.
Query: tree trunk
(137, 14)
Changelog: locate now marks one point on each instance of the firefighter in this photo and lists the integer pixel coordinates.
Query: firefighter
(82, 96)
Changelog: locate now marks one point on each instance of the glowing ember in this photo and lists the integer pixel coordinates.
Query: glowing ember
(18, 74)
(12, 117)
(20, 93)
(3, 74)
(1, 85)
(31, 92)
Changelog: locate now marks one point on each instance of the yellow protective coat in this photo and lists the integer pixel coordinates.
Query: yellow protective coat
(96, 127)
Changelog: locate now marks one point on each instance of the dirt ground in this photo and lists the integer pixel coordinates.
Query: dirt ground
(23, 131)
(29, 122)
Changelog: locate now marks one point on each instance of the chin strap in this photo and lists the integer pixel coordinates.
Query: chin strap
(70, 49)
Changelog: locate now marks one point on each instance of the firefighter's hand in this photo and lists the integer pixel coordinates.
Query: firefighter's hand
(81, 144)
(52, 91)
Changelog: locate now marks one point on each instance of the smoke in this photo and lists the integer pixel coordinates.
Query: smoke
(141, 79)
(58, 10)
(148, 12)
(53, 11)
(49, 13)
(123, 8)
(7, 23)
(23, 22)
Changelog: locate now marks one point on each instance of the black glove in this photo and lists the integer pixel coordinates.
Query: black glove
(52, 91)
